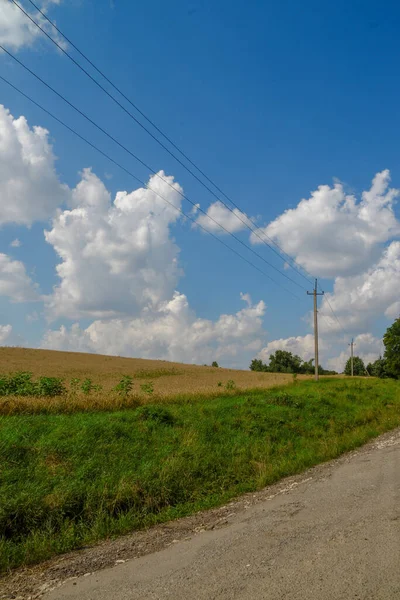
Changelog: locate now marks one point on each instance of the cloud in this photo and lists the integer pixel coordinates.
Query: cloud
(303, 346)
(16, 243)
(331, 234)
(359, 300)
(172, 332)
(232, 221)
(17, 31)
(366, 347)
(117, 257)
(14, 281)
(119, 266)
(29, 187)
(5, 333)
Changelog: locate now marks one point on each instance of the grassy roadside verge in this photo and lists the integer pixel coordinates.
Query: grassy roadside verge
(67, 480)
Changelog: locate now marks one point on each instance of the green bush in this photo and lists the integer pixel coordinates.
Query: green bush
(50, 386)
(88, 386)
(125, 386)
(22, 384)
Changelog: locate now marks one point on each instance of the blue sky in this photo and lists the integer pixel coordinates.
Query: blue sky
(272, 100)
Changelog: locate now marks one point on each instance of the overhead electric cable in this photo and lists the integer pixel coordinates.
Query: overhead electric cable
(245, 221)
(143, 183)
(110, 136)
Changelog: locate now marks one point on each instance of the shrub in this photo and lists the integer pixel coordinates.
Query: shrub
(50, 386)
(21, 384)
(124, 387)
(230, 385)
(88, 386)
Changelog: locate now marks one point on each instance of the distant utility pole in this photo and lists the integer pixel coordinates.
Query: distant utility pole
(315, 294)
(352, 357)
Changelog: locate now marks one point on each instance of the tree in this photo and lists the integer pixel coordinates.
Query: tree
(284, 362)
(258, 365)
(308, 367)
(215, 364)
(358, 366)
(377, 368)
(391, 339)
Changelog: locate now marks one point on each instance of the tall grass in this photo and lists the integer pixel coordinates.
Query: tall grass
(70, 479)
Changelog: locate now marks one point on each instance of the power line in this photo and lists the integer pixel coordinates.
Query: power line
(255, 231)
(105, 132)
(336, 317)
(81, 137)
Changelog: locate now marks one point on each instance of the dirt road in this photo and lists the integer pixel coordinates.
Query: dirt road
(333, 533)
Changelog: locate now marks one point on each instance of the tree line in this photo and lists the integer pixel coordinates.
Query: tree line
(283, 361)
(383, 367)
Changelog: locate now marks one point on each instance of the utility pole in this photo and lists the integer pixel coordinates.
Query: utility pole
(352, 357)
(315, 294)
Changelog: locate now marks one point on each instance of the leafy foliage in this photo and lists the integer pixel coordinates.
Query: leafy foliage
(391, 339)
(215, 364)
(358, 367)
(88, 386)
(258, 365)
(124, 387)
(148, 388)
(377, 368)
(283, 361)
(22, 384)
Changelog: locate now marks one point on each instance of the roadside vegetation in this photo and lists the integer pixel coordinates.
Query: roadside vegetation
(69, 480)
(283, 361)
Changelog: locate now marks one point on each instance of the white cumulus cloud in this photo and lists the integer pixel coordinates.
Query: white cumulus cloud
(217, 213)
(172, 332)
(331, 234)
(117, 257)
(17, 30)
(303, 346)
(29, 187)
(14, 281)
(366, 346)
(16, 243)
(359, 300)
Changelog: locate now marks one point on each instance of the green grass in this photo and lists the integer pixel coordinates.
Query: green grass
(69, 480)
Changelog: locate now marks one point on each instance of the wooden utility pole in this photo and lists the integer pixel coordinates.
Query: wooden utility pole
(352, 357)
(315, 294)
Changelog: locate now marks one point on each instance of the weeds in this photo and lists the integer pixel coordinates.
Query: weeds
(148, 388)
(125, 386)
(22, 384)
(88, 387)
